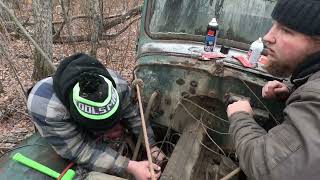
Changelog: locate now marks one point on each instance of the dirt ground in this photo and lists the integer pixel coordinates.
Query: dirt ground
(15, 123)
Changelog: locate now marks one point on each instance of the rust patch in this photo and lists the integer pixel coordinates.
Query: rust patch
(167, 101)
(180, 81)
(185, 94)
(193, 84)
(192, 90)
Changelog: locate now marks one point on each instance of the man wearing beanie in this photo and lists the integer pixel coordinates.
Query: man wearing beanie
(82, 102)
(291, 149)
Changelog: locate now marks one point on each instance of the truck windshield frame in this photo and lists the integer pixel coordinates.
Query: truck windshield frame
(165, 22)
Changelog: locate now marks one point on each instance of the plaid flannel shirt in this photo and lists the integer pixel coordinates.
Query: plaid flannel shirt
(72, 142)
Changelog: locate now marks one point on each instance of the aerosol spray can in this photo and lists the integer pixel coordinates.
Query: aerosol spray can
(211, 36)
(255, 51)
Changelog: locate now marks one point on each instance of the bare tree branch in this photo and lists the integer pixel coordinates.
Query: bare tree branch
(14, 18)
(57, 34)
(136, 11)
(82, 38)
(72, 19)
(66, 19)
(120, 18)
(112, 36)
(126, 16)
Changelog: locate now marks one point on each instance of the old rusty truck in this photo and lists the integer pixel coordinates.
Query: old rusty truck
(185, 92)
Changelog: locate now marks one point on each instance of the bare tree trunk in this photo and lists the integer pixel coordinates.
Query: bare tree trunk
(42, 12)
(6, 17)
(96, 26)
(1, 87)
(67, 20)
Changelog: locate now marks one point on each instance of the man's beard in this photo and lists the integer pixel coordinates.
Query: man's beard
(278, 68)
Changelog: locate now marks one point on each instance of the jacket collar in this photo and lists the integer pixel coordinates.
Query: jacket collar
(305, 70)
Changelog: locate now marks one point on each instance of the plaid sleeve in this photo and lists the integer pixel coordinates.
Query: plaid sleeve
(129, 109)
(67, 139)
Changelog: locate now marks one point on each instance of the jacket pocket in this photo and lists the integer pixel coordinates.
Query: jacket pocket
(285, 141)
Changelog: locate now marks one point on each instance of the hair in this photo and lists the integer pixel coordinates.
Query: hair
(316, 40)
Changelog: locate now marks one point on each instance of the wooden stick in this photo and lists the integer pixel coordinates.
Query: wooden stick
(147, 115)
(145, 135)
(230, 175)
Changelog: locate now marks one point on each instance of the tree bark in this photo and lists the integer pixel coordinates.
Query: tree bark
(42, 12)
(67, 20)
(96, 24)
(1, 87)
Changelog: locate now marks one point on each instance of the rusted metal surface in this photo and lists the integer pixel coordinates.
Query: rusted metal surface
(169, 63)
(37, 149)
(188, 87)
(192, 51)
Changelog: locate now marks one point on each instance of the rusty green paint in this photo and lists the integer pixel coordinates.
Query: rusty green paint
(163, 63)
(172, 67)
(37, 149)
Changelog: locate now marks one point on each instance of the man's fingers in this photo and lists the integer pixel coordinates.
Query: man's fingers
(270, 92)
(281, 89)
(263, 91)
(276, 84)
(156, 167)
(157, 175)
(148, 175)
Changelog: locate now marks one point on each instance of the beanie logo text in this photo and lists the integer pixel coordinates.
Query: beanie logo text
(97, 110)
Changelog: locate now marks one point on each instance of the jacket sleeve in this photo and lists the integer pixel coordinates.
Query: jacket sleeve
(260, 152)
(72, 142)
(131, 115)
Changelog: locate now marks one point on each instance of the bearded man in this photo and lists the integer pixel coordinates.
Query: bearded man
(291, 149)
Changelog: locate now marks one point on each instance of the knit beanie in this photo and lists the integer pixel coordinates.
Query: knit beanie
(88, 91)
(300, 15)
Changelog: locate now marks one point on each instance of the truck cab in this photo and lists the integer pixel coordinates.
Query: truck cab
(184, 91)
(192, 90)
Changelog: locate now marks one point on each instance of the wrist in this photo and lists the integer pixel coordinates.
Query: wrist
(239, 115)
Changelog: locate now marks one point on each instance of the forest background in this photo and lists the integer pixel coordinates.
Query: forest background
(106, 29)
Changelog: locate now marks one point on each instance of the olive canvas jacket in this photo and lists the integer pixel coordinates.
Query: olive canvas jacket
(290, 150)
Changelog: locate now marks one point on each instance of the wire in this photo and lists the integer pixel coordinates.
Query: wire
(203, 125)
(168, 130)
(163, 141)
(205, 145)
(222, 133)
(158, 151)
(204, 109)
(277, 122)
(65, 170)
(209, 148)
(210, 137)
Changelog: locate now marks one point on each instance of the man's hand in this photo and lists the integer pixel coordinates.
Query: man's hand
(275, 89)
(157, 154)
(140, 170)
(242, 105)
